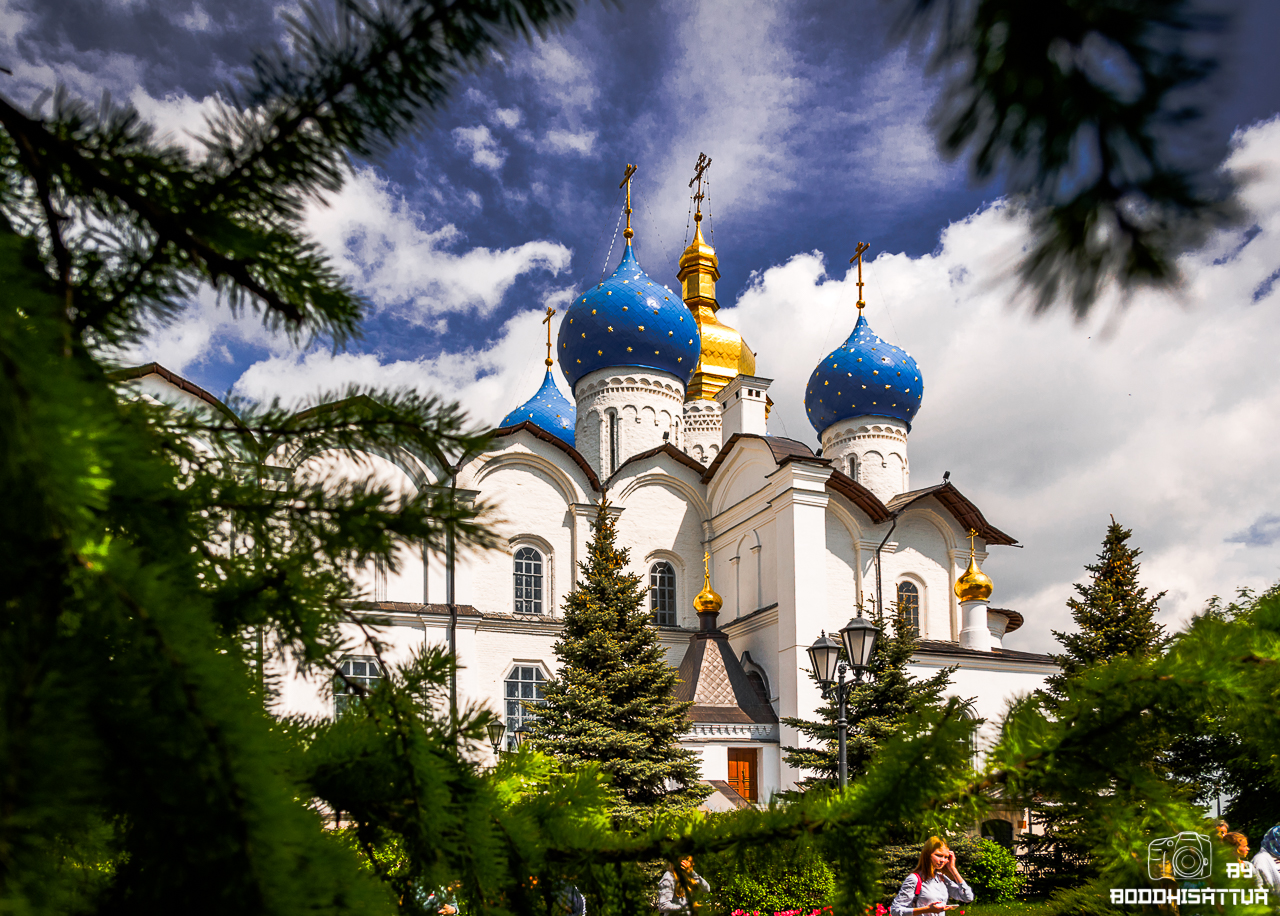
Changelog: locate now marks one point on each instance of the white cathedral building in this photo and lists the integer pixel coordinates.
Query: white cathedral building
(669, 416)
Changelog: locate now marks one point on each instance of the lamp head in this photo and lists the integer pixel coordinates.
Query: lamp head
(824, 656)
(859, 638)
(496, 729)
(519, 735)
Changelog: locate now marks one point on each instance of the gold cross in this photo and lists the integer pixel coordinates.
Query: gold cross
(706, 563)
(857, 256)
(547, 322)
(704, 163)
(973, 533)
(626, 183)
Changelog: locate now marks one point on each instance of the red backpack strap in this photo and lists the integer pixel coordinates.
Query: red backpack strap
(919, 883)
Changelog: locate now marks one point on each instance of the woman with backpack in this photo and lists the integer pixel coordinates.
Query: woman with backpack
(933, 883)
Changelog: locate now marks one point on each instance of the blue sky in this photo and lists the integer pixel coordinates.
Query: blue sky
(1161, 412)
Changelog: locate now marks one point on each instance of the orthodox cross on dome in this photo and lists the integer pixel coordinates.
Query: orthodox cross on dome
(626, 183)
(857, 256)
(547, 322)
(973, 533)
(704, 163)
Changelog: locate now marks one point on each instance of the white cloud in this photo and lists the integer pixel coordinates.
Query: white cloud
(381, 242)
(489, 382)
(479, 142)
(567, 141)
(177, 117)
(508, 117)
(1162, 413)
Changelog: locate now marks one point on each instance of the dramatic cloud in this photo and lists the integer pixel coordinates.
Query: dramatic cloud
(1159, 413)
(383, 244)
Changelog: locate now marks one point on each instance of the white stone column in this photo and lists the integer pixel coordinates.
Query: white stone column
(800, 499)
(974, 633)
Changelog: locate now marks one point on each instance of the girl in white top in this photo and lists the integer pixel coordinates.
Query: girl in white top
(933, 883)
(673, 889)
(1265, 871)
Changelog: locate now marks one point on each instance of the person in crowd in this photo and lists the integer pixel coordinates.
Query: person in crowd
(443, 901)
(1223, 828)
(674, 886)
(1239, 843)
(1266, 864)
(933, 883)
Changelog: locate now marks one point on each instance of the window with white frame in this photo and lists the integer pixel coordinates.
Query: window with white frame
(662, 593)
(909, 604)
(360, 675)
(524, 689)
(528, 581)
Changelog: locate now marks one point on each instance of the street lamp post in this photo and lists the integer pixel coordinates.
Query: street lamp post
(858, 637)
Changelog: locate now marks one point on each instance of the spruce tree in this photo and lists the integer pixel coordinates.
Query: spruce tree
(875, 710)
(612, 703)
(1115, 616)
(1116, 620)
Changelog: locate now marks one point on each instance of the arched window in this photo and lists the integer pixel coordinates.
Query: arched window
(613, 442)
(909, 604)
(360, 674)
(662, 593)
(528, 581)
(524, 688)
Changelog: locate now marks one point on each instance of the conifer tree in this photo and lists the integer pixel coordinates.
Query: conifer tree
(1115, 615)
(1116, 618)
(612, 702)
(875, 710)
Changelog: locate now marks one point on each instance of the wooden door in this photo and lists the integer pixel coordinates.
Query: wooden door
(743, 769)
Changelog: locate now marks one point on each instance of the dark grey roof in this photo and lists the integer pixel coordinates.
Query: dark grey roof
(713, 678)
(946, 647)
(964, 512)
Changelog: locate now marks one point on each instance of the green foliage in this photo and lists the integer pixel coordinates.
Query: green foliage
(990, 869)
(612, 702)
(1087, 112)
(875, 708)
(1115, 616)
(768, 879)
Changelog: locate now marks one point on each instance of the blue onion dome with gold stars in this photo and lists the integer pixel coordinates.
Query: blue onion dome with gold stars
(864, 376)
(629, 320)
(549, 410)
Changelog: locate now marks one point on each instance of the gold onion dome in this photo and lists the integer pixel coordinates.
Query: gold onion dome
(707, 601)
(974, 585)
(725, 355)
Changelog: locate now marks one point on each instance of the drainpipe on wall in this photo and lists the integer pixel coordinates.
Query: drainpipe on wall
(879, 580)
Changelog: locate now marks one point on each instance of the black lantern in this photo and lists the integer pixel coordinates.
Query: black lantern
(518, 736)
(824, 655)
(496, 729)
(859, 638)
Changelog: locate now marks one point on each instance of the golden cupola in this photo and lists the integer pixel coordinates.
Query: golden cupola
(707, 603)
(974, 585)
(725, 355)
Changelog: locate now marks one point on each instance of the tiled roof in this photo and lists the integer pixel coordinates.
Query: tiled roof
(712, 677)
(964, 512)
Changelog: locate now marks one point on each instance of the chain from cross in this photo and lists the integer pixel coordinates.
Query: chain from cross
(857, 256)
(704, 163)
(547, 322)
(626, 183)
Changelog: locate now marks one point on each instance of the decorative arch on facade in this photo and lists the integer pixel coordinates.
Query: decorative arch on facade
(681, 488)
(568, 489)
(757, 675)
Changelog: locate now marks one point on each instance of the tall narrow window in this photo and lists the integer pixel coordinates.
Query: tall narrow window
(662, 594)
(524, 688)
(528, 581)
(613, 442)
(360, 674)
(909, 603)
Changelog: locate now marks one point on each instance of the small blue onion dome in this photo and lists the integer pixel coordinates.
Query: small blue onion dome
(548, 409)
(864, 376)
(628, 320)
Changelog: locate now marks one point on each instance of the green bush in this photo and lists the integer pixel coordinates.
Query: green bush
(990, 869)
(789, 876)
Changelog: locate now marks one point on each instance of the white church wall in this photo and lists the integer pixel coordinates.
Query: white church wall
(657, 517)
(743, 474)
(625, 392)
(988, 685)
(842, 575)
(921, 557)
(759, 636)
